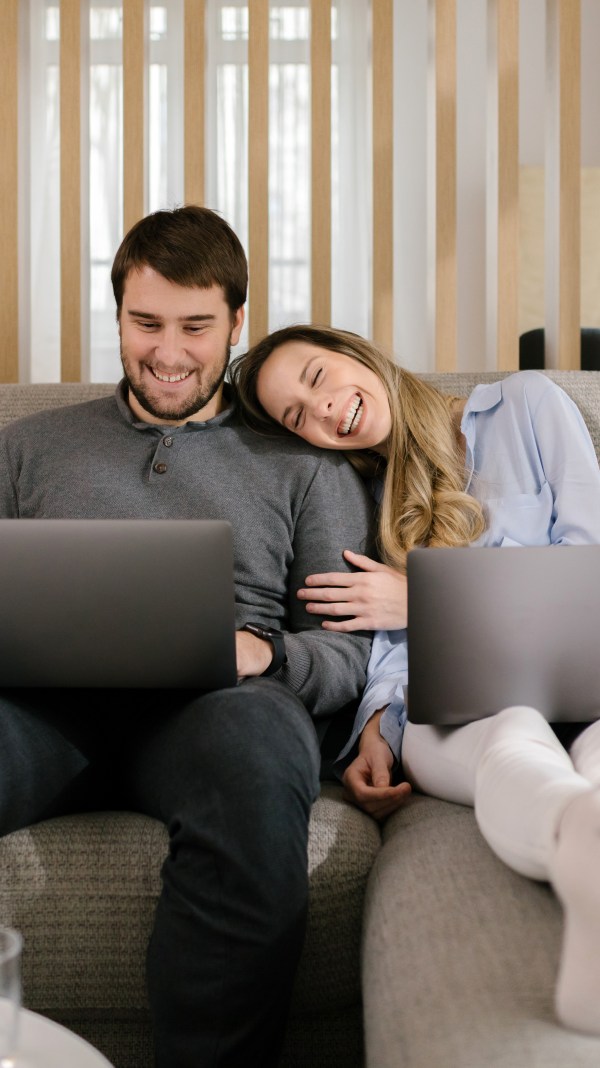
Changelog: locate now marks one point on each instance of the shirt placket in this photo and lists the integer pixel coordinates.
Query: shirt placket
(165, 456)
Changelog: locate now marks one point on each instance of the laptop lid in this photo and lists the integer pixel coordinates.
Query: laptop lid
(116, 603)
(490, 628)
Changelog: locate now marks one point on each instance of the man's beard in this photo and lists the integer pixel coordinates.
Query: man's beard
(176, 411)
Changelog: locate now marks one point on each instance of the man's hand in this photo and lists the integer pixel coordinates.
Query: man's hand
(375, 596)
(253, 655)
(368, 778)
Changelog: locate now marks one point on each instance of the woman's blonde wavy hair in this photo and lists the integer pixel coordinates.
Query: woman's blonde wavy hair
(424, 500)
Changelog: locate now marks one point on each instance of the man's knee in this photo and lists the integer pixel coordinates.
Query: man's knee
(236, 794)
(38, 766)
(260, 730)
(253, 746)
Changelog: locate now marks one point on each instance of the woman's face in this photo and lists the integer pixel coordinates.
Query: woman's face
(329, 399)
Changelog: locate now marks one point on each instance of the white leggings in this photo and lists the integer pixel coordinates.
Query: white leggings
(513, 770)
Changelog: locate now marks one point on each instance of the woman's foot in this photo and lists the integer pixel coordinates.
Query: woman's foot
(575, 876)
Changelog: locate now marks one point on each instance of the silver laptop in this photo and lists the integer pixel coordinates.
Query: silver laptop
(116, 603)
(489, 628)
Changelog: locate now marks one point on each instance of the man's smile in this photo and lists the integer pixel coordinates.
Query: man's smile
(179, 376)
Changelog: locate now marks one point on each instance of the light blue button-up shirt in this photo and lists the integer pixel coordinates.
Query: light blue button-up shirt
(531, 463)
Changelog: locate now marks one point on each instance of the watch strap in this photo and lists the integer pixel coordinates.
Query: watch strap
(277, 640)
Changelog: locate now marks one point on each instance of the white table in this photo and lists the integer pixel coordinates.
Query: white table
(45, 1044)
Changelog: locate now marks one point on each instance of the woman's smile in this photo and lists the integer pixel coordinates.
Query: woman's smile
(353, 416)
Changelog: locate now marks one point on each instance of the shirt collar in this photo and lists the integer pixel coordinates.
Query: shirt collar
(483, 398)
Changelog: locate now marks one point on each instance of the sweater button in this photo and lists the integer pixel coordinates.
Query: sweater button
(160, 468)
(167, 442)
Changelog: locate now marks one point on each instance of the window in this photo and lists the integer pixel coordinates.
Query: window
(226, 158)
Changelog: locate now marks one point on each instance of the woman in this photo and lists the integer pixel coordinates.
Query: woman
(512, 464)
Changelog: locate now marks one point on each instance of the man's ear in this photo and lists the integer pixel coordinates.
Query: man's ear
(237, 322)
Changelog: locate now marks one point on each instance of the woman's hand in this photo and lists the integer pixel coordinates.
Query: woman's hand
(368, 778)
(375, 596)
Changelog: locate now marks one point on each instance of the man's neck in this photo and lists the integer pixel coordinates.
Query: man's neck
(217, 404)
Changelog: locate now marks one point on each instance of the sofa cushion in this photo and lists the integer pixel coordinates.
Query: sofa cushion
(470, 980)
(82, 889)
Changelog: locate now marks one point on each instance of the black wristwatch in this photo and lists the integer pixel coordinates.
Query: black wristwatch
(275, 637)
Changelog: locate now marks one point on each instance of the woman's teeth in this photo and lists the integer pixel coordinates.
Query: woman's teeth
(171, 378)
(352, 417)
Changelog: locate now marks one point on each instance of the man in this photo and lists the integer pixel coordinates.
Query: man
(233, 773)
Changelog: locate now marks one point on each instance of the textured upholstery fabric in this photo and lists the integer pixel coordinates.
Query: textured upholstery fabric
(476, 946)
(17, 401)
(83, 888)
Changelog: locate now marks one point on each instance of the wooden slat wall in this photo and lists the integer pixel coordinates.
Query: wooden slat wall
(570, 184)
(134, 94)
(70, 190)
(258, 168)
(9, 184)
(563, 185)
(193, 66)
(445, 185)
(320, 56)
(507, 252)
(562, 170)
(383, 173)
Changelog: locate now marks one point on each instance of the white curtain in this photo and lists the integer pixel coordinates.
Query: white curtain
(226, 158)
(227, 137)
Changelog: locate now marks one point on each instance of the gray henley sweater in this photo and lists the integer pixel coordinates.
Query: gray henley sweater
(293, 510)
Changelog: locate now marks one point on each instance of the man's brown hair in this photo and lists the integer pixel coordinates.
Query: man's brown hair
(190, 246)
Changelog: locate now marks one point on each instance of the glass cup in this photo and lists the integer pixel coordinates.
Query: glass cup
(10, 993)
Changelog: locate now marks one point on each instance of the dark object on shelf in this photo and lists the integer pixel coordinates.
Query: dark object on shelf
(531, 349)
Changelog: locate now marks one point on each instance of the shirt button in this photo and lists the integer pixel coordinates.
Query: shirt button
(160, 468)
(168, 442)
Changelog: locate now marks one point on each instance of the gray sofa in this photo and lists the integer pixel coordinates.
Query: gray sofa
(458, 957)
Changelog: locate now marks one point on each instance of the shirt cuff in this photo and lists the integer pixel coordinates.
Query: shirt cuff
(391, 726)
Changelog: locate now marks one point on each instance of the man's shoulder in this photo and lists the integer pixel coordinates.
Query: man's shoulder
(286, 450)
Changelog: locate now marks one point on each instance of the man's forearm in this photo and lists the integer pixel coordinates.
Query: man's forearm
(325, 670)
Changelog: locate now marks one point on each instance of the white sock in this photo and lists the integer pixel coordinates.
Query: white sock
(575, 876)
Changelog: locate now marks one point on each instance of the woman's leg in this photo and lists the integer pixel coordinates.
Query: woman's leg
(575, 875)
(514, 771)
(585, 753)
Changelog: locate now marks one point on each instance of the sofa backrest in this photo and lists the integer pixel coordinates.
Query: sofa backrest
(583, 386)
(17, 401)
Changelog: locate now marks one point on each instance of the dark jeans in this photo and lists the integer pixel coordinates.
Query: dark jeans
(233, 775)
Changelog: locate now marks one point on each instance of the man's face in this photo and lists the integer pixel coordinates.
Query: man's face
(175, 343)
